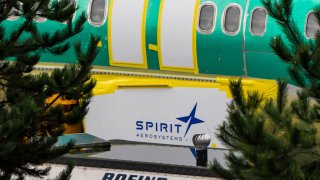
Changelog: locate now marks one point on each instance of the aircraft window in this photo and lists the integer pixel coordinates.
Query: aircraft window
(312, 26)
(97, 14)
(232, 19)
(75, 2)
(72, 2)
(38, 18)
(13, 14)
(206, 18)
(258, 21)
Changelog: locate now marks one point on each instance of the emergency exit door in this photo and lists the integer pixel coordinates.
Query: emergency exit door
(126, 36)
(177, 35)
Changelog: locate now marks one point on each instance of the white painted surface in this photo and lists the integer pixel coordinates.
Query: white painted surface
(126, 31)
(176, 33)
(115, 116)
(90, 173)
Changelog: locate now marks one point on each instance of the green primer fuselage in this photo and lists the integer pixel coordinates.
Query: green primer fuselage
(218, 53)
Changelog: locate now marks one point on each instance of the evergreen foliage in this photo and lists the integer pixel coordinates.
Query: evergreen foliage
(29, 124)
(302, 55)
(270, 140)
(66, 173)
(277, 139)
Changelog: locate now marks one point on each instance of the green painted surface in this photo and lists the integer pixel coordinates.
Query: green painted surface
(263, 65)
(219, 53)
(100, 31)
(103, 57)
(151, 33)
(259, 57)
(261, 61)
(83, 37)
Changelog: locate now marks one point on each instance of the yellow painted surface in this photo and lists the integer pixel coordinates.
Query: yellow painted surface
(194, 38)
(60, 101)
(99, 44)
(108, 84)
(109, 30)
(159, 33)
(153, 47)
(67, 104)
(143, 34)
(73, 128)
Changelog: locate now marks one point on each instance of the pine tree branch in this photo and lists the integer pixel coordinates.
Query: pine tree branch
(3, 84)
(55, 39)
(293, 32)
(4, 102)
(23, 131)
(3, 2)
(52, 102)
(18, 33)
(66, 173)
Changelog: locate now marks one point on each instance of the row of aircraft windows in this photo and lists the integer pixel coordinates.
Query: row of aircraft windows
(207, 18)
(232, 18)
(97, 13)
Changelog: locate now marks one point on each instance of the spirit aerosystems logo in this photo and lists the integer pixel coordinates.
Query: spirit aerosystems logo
(164, 131)
(191, 119)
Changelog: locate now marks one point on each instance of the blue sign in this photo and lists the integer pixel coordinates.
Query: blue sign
(115, 176)
(191, 119)
(153, 129)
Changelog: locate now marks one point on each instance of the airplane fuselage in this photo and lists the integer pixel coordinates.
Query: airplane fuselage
(217, 37)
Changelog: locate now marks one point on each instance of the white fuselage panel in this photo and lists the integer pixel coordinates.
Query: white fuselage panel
(176, 33)
(126, 31)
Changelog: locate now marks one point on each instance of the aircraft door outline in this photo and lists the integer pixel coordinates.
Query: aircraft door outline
(126, 33)
(176, 35)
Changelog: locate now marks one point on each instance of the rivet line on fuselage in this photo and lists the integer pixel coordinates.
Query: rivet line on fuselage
(112, 72)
